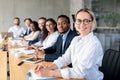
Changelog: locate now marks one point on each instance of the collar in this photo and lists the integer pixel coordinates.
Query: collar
(86, 37)
(66, 33)
(16, 26)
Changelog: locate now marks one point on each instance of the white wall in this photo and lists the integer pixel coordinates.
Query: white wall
(75, 5)
(30, 8)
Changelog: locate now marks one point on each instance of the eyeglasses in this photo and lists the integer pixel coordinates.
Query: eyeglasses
(85, 21)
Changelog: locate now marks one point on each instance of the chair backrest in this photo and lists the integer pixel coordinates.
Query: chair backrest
(111, 65)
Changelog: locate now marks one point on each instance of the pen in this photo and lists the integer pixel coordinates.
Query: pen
(20, 63)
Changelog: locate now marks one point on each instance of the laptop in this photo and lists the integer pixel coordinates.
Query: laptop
(8, 34)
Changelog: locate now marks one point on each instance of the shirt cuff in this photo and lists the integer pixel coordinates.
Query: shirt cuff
(27, 42)
(65, 73)
(57, 63)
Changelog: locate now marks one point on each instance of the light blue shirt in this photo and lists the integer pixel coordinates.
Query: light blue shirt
(28, 30)
(64, 36)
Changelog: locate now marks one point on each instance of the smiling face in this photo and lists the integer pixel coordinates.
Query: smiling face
(50, 26)
(27, 23)
(63, 25)
(83, 23)
(32, 27)
(16, 22)
(41, 23)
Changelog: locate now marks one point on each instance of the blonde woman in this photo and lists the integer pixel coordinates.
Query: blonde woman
(85, 53)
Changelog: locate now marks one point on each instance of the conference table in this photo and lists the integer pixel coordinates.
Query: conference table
(19, 72)
(8, 63)
(3, 65)
(16, 72)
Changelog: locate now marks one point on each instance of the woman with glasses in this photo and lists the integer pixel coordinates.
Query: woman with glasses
(85, 53)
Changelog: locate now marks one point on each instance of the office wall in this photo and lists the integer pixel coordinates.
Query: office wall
(30, 8)
(75, 5)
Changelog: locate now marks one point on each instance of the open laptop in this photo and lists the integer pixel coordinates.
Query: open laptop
(8, 34)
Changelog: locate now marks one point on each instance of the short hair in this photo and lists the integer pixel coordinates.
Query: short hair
(64, 16)
(42, 18)
(28, 19)
(17, 18)
(91, 15)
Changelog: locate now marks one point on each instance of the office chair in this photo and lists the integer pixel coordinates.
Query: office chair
(111, 65)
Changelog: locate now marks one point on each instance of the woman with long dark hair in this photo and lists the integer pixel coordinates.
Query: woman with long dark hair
(35, 30)
(49, 35)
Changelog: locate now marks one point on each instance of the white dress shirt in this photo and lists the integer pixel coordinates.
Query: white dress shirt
(86, 55)
(17, 31)
(49, 40)
(32, 35)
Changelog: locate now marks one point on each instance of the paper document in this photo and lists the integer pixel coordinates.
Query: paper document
(23, 50)
(17, 42)
(32, 76)
(31, 51)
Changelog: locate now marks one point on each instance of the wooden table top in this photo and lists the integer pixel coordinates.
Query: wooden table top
(18, 72)
(3, 65)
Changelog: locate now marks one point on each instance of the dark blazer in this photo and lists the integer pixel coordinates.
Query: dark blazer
(55, 51)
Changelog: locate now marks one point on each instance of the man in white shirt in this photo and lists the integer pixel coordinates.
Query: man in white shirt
(17, 30)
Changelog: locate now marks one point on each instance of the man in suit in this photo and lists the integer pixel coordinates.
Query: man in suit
(27, 22)
(62, 43)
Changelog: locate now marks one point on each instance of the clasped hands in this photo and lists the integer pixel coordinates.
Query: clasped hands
(39, 53)
(43, 70)
(23, 41)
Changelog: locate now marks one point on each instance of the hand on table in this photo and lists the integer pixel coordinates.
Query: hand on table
(23, 41)
(31, 47)
(39, 53)
(42, 70)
